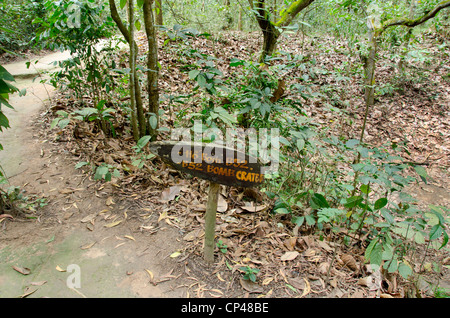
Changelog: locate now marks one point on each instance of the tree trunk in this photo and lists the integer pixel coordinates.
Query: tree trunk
(240, 18)
(270, 29)
(152, 66)
(132, 62)
(369, 73)
(270, 37)
(137, 114)
(159, 12)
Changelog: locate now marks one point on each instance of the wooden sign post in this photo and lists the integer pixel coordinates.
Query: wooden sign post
(218, 165)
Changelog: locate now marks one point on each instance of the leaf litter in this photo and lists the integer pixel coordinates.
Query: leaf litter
(292, 262)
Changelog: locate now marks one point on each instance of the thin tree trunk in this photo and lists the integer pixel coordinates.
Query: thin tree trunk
(240, 18)
(137, 114)
(132, 62)
(369, 72)
(159, 12)
(152, 66)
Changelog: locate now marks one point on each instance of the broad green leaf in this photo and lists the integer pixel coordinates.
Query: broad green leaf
(300, 144)
(387, 215)
(81, 164)
(62, 113)
(328, 214)
(100, 172)
(445, 240)
(351, 143)
(319, 201)
(365, 188)
(201, 80)
(419, 238)
(54, 123)
(4, 122)
(310, 220)
(281, 211)
(236, 62)
(123, 3)
(353, 201)
(405, 270)
(5, 75)
(153, 122)
(376, 255)
(380, 203)
(298, 220)
(63, 123)
(137, 24)
(193, 74)
(422, 173)
(370, 248)
(393, 265)
(435, 232)
(143, 141)
(438, 212)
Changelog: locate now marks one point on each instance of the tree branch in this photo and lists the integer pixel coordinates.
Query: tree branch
(292, 11)
(412, 23)
(118, 20)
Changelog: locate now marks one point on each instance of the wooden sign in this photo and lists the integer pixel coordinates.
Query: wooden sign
(210, 162)
(219, 165)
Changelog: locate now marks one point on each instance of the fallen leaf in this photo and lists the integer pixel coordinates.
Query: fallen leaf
(28, 292)
(220, 277)
(307, 288)
(175, 254)
(267, 281)
(323, 268)
(162, 215)
(88, 218)
(59, 269)
(113, 224)
(130, 237)
(170, 193)
(199, 208)
(310, 252)
(192, 235)
(297, 282)
(22, 270)
(109, 201)
(222, 204)
(218, 295)
(350, 262)
(290, 243)
(150, 274)
(373, 281)
(289, 256)
(66, 191)
(156, 179)
(4, 216)
(87, 246)
(325, 246)
(252, 208)
(39, 283)
(250, 286)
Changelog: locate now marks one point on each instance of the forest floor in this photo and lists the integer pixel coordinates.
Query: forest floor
(141, 235)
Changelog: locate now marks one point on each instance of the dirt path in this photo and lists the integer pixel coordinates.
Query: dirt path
(108, 248)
